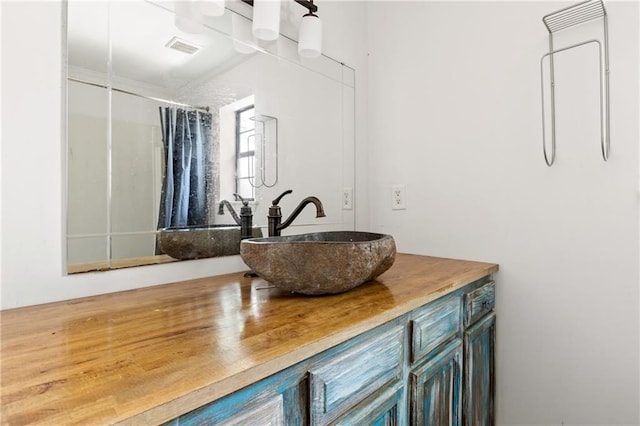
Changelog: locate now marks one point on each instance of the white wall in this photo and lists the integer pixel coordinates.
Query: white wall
(31, 230)
(454, 114)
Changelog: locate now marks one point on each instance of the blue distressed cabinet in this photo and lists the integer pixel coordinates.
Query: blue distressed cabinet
(479, 347)
(431, 366)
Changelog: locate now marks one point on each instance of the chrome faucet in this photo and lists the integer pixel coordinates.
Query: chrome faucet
(275, 214)
(246, 216)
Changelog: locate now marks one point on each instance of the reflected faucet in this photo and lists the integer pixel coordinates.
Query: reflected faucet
(275, 213)
(233, 213)
(246, 216)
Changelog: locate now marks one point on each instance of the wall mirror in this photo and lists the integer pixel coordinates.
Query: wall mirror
(258, 119)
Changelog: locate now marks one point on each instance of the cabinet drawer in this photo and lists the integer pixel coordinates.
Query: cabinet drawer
(439, 323)
(352, 376)
(381, 408)
(478, 303)
(236, 410)
(270, 412)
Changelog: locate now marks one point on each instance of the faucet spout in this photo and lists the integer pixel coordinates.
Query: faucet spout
(233, 213)
(275, 216)
(309, 200)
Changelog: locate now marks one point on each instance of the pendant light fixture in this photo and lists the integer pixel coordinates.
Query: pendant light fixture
(211, 7)
(310, 36)
(266, 19)
(266, 23)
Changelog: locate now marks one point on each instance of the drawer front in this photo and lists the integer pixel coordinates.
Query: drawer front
(382, 408)
(261, 409)
(439, 323)
(478, 303)
(268, 413)
(354, 375)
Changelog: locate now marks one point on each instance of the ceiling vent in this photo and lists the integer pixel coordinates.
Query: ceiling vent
(183, 46)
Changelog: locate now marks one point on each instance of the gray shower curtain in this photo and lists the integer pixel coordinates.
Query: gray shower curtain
(186, 136)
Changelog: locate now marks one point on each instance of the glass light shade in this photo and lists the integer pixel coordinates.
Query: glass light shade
(241, 33)
(211, 7)
(266, 19)
(310, 36)
(185, 18)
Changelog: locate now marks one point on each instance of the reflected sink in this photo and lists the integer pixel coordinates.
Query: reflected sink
(320, 262)
(198, 242)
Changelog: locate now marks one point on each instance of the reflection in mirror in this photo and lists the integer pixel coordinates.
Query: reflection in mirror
(163, 126)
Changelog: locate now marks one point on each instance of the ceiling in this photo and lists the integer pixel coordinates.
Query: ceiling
(137, 32)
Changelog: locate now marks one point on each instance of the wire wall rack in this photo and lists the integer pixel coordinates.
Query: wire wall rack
(564, 19)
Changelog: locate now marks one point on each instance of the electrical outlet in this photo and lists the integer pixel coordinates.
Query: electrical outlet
(347, 198)
(398, 197)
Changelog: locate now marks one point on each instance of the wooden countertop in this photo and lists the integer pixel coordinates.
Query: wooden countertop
(148, 355)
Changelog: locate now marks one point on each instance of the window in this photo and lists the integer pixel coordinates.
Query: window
(245, 152)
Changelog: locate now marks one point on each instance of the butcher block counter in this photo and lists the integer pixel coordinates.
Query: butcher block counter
(149, 355)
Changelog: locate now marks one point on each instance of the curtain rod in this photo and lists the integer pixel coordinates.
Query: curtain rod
(205, 108)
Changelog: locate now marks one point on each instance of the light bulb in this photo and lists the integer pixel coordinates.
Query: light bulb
(241, 34)
(185, 18)
(266, 19)
(211, 7)
(310, 36)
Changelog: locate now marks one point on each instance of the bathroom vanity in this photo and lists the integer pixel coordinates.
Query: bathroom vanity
(415, 346)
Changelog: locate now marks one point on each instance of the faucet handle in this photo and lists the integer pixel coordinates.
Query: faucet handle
(221, 207)
(277, 200)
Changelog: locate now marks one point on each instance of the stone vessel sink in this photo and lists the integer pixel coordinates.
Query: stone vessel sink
(198, 242)
(321, 262)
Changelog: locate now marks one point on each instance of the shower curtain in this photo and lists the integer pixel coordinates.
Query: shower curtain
(186, 137)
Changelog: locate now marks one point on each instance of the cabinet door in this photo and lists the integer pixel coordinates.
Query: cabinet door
(435, 388)
(479, 372)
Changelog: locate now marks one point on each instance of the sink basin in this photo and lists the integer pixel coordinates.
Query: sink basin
(198, 242)
(320, 262)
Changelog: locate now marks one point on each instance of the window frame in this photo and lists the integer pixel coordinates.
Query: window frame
(244, 154)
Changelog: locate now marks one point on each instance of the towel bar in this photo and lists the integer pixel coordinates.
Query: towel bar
(560, 20)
